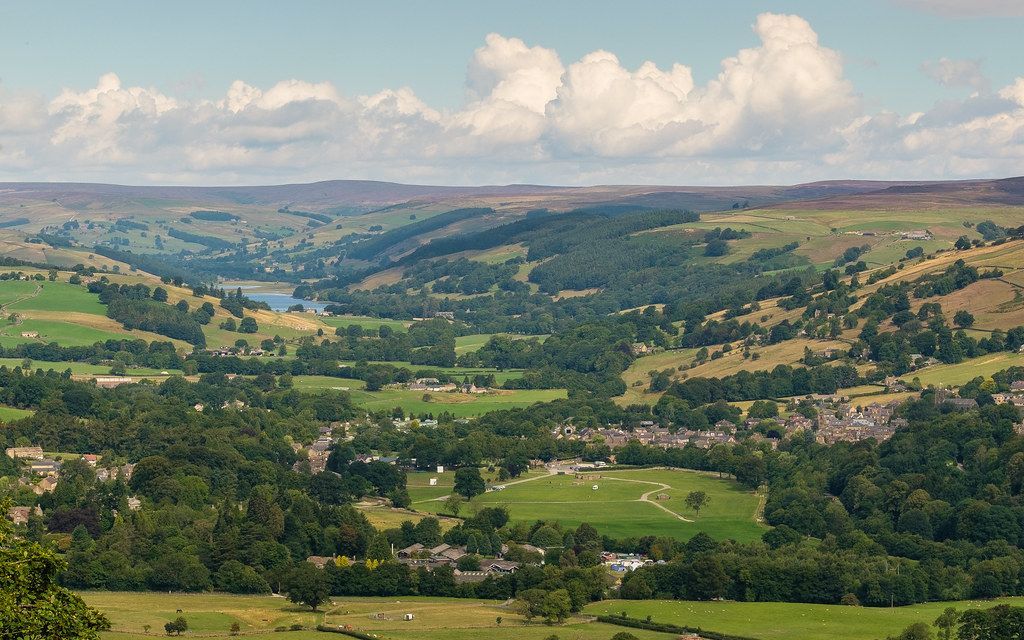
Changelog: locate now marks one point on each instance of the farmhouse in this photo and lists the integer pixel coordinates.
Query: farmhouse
(45, 466)
(26, 453)
(20, 515)
(29, 334)
(918, 234)
(320, 561)
(109, 382)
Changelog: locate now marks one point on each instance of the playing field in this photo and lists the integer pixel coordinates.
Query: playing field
(627, 503)
(211, 616)
(785, 621)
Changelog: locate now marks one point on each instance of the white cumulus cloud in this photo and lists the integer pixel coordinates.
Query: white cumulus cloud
(782, 110)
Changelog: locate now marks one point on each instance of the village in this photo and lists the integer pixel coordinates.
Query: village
(41, 473)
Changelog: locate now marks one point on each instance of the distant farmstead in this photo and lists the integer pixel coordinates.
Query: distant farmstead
(110, 382)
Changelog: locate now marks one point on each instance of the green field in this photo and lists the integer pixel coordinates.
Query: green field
(957, 374)
(84, 368)
(210, 615)
(412, 402)
(616, 507)
(457, 404)
(785, 621)
(56, 296)
(500, 376)
(365, 322)
(59, 312)
(8, 414)
(470, 343)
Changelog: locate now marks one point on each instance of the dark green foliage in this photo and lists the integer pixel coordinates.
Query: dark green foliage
(32, 605)
(990, 230)
(319, 217)
(195, 238)
(468, 482)
(374, 247)
(214, 216)
(132, 306)
(667, 628)
(307, 585)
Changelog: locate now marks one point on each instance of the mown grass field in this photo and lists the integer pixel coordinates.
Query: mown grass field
(785, 621)
(211, 615)
(418, 482)
(616, 507)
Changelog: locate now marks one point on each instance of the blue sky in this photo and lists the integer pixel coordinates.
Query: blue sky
(897, 56)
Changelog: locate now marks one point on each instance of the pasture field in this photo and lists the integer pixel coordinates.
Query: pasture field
(59, 312)
(210, 615)
(365, 322)
(787, 621)
(958, 374)
(627, 503)
(54, 296)
(7, 414)
(458, 404)
(995, 304)
(64, 333)
(638, 370)
(86, 369)
(768, 357)
(413, 403)
(473, 342)
(385, 517)
(500, 376)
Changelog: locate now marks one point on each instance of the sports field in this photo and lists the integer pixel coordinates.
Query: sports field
(626, 503)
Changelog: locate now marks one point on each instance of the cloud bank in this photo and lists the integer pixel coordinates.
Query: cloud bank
(781, 111)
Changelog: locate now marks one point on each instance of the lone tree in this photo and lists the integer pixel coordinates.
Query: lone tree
(468, 482)
(307, 585)
(32, 605)
(177, 626)
(453, 504)
(963, 319)
(697, 500)
(946, 623)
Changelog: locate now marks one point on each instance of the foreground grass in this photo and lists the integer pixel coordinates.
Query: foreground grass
(210, 615)
(786, 621)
